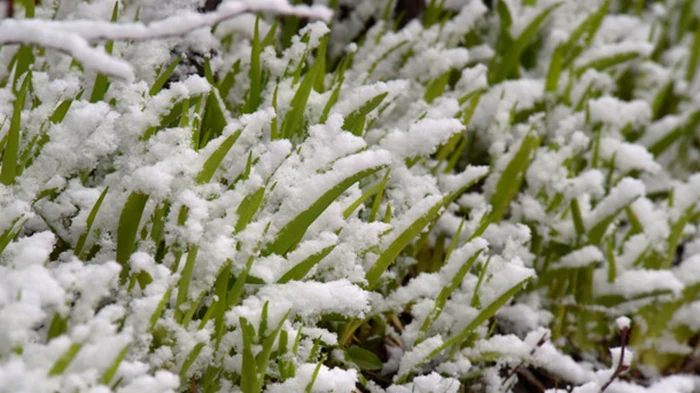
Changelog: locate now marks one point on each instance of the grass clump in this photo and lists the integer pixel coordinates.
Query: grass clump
(457, 197)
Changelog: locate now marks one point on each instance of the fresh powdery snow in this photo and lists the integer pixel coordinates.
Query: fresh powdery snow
(259, 196)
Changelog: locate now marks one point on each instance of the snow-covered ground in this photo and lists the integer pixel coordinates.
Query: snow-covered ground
(497, 196)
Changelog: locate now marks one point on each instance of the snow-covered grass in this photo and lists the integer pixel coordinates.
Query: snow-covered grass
(269, 197)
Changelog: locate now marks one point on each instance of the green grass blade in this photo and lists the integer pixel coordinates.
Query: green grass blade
(249, 368)
(128, 228)
(64, 361)
(578, 219)
(268, 342)
(234, 295)
(675, 237)
(447, 291)
(598, 228)
(291, 233)
(62, 109)
(59, 326)
(694, 57)
(483, 316)
(476, 300)
(606, 62)
(229, 80)
(355, 122)
(163, 77)
(22, 61)
(587, 29)
(90, 219)
(502, 66)
(10, 154)
(399, 243)
(112, 370)
(213, 162)
(436, 88)
(255, 72)
(310, 386)
(300, 270)
(364, 359)
(248, 207)
(190, 359)
(183, 286)
(159, 310)
(512, 177)
(101, 84)
(377, 188)
(217, 309)
(213, 121)
(336, 92)
(293, 122)
(556, 64)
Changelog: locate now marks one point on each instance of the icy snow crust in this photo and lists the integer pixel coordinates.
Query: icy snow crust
(225, 257)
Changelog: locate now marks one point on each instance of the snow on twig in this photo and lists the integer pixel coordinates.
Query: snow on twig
(74, 37)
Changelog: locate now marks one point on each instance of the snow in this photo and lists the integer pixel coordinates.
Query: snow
(608, 50)
(74, 37)
(471, 174)
(328, 380)
(623, 323)
(580, 258)
(632, 283)
(503, 276)
(688, 272)
(418, 355)
(426, 285)
(617, 113)
(624, 193)
(628, 156)
(430, 383)
(305, 299)
(101, 144)
(422, 138)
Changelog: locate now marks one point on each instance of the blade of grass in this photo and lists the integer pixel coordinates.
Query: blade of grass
(484, 315)
(502, 66)
(248, 207)
(159, 310)
(11, 151)
(255, 72)
(64, 361)
(437, 87)
(59, 326)
(183, 285)
(249, 368)
(446, 292)
(190, 359)
(88, 224)
(606, 62)
(512, 177)
(128, 227)
(163, 77)
(293, 122)
(694, 57)
(112, 370)
(213, 162)
(101, 84)
(399, 243)
(300, 270)
(291, 233)
(366, 195)
(355, 121)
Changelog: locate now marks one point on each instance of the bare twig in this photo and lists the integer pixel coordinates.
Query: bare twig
(518, 369)
(621, 367)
